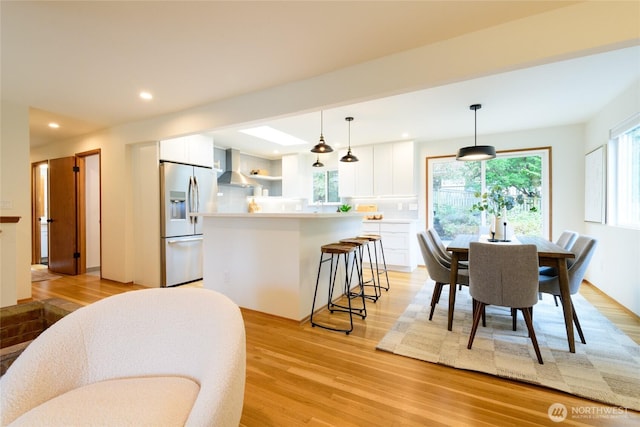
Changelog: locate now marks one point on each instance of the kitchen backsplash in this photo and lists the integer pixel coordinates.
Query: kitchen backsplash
(236, 200)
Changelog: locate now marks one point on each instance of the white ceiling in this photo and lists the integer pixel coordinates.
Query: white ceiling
(82, 64)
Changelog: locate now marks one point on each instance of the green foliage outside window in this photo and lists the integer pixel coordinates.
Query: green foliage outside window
(325, 187)
(457, 187)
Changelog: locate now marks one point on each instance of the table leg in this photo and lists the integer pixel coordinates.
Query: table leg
(452, 288)
(563, 279)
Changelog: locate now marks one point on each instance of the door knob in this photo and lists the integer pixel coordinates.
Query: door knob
(49, 219)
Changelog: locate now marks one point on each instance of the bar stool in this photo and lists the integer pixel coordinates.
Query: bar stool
(373, 239)
(360, 243)
(331, 253)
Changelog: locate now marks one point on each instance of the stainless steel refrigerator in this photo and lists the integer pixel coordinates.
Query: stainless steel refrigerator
(184, 189)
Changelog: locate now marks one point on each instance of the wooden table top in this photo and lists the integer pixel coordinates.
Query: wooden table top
(547, 249)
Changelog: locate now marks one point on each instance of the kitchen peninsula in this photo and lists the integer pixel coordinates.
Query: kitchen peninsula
(268, 262)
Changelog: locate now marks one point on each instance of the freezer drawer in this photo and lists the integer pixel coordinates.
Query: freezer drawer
(181, 260)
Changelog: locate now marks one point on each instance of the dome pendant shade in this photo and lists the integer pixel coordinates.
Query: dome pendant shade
(476, 152)
(318, 163)
(349, 158)
(321, 147)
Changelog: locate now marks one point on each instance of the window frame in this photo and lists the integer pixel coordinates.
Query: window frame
(614, 217)
(326, 173)
(546, 182)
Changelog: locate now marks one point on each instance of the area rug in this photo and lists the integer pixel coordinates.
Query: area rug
(606, 369)
(40, 274)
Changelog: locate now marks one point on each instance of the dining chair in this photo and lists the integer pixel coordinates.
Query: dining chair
(437, 270)
(506, 276)
(566, 240)
(583, 249)
(441, 251)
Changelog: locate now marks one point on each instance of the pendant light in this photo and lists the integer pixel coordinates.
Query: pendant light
(476, 152)
(321, 147)
(349, 158)
(318, 163)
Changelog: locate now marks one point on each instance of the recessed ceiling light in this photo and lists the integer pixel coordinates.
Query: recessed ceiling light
(54, 125)
(405, 135)
(146, 96)
(273, 135)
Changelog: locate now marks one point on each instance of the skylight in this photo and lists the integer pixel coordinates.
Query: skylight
(273, 135)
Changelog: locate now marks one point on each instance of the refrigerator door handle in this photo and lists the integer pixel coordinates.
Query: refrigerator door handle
(190, 198)
(197, 198)
(194, 239)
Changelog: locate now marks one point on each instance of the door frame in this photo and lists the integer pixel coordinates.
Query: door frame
(36, 241)
(81, 208)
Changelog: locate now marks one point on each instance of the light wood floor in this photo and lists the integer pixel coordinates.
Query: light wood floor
(303, 376)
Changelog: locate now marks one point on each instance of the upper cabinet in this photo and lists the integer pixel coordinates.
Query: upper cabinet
(382, 170)
(297, 176)
(403, 169)
(356, 179)
(193, 150)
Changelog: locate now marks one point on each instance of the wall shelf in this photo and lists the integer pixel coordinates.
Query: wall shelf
(265, 177)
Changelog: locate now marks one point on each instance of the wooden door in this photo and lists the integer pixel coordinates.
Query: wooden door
(63, 197)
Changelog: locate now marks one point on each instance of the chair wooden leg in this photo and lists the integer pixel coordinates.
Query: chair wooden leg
(435, 297)
(484, 317)
(575, 319)
(514, 318)
(577, 322)
(526, 312)
(479, 309)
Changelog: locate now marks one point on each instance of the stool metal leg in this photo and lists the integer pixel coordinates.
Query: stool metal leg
(334, 260)
(384, 264)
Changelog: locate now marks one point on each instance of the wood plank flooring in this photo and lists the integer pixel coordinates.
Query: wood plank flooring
(303, 376)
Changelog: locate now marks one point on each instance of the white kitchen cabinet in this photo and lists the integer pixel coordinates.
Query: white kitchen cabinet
(356, 179)
(394, 169)
(403, 168)
(297, 176)
(397, 241)
(383, 169)
(192, 149)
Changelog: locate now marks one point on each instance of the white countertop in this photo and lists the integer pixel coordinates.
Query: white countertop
(392, 220)
(292, 215)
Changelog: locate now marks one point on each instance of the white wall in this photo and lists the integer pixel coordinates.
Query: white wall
(570, 31)
(615, 267)
(15, 197)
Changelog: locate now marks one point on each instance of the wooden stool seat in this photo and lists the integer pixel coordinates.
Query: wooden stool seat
(370, 237)
(355, 241)
(336, 248)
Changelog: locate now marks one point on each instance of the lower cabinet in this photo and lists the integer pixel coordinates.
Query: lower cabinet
(397, 241)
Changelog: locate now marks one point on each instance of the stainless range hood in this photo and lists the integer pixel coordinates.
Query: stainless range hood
(232, 175)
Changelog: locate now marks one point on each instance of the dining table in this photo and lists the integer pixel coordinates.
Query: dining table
(549, 254)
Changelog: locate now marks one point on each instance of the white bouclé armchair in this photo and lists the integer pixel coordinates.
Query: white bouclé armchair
(156, 357)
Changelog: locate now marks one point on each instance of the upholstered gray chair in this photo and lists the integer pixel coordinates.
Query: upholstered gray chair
(441, 251)
(583, 249)
(565, 241)
(507, 276)
(437, 270)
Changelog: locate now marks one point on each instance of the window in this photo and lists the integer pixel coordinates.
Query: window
(325, 187)
(624, 176)
(452, 188)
